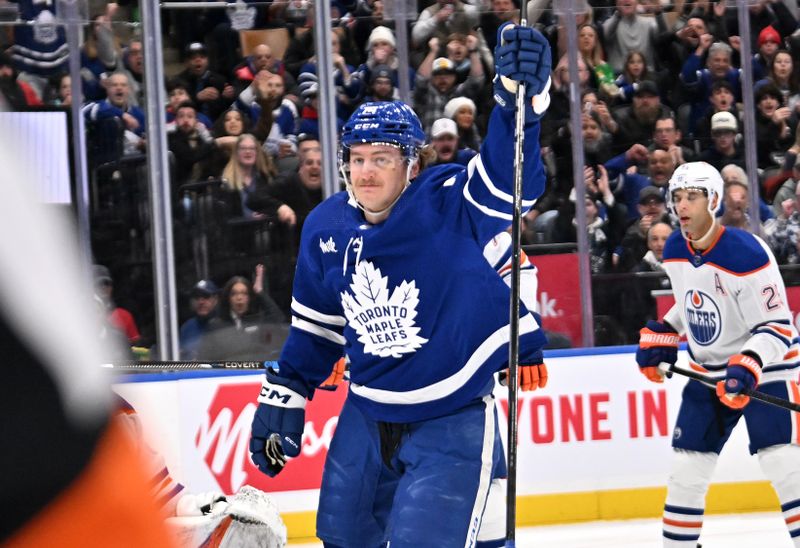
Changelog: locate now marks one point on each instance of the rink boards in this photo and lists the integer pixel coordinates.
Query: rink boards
(594, 444)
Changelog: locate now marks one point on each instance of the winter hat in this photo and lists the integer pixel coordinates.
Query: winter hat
(444, 126)
(382, 34)
(768, 34)
(724, 121)
(442, 64)
(382, 71)
(455, 104)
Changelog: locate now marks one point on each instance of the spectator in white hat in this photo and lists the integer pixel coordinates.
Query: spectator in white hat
(462, 111)
(724, 149)
(444, 140)
(381, 54)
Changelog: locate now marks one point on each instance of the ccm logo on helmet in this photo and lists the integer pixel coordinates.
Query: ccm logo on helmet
(367, 125)
(702, 315)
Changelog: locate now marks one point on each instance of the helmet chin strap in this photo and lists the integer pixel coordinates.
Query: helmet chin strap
(703, 238)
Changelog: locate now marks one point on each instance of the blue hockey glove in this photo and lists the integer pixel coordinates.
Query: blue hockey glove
(278, 423)
(658, 343)
(523, 55)
(743, 372)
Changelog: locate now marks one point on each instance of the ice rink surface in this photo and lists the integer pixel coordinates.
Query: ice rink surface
(719, 531)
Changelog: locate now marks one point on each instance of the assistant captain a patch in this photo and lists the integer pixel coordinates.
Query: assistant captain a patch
(703, 319)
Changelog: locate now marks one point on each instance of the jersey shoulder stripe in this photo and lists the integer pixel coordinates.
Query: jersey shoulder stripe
(736, 252)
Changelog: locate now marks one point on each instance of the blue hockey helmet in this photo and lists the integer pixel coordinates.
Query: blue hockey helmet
(391, 123)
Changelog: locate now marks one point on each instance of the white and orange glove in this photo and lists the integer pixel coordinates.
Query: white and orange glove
(743, 372)
(658, 343)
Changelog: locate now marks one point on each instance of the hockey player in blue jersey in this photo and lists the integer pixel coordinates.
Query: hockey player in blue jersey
(392, 273)
(730, 302)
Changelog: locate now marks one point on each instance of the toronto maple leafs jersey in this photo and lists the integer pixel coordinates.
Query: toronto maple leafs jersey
(40, 47)
(419, 311)
(728, 299)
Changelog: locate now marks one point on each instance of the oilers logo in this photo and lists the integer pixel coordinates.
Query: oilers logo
(702, 317)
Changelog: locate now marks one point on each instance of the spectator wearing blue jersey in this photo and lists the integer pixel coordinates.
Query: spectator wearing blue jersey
(421, 440)
(628, 183)
(99, 57)
(698, 80)
(633, 73)
(117, 108)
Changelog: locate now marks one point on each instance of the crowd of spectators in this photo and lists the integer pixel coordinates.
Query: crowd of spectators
(660, 85)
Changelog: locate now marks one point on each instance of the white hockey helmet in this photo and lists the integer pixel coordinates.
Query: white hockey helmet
(699, 176)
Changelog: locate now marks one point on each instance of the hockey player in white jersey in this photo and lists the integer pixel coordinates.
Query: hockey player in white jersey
(392, 273)
(730, 302)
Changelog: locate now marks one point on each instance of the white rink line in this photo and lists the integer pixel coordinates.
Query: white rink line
(719, 531)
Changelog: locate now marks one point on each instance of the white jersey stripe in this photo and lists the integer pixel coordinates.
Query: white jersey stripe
(477, 163)
(317, 316)
(486, 473)
(447, 386)
(314, 329)
(485, 210)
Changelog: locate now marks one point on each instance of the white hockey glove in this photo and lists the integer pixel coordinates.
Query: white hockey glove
(200, 504)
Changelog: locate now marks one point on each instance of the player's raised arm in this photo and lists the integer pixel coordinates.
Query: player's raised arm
(522, 55)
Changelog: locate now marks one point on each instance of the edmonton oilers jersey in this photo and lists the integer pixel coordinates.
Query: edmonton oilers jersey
(419, 311)
(728, 299)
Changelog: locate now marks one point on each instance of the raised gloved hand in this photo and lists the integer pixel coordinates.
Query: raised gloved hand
(199, 504)
(531, 376)
(523, 55)
(658, 343)
(278, 422)
(744, 371)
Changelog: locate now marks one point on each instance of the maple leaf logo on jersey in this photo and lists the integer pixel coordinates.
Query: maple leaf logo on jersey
(385, 324)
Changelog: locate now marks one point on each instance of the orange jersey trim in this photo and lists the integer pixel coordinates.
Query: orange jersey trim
(697, 367)
(718, 267)
(676, 523)
(713, 244)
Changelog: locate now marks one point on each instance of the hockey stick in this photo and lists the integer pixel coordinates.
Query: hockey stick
(755, 394)
(154, 366)
(513, 342)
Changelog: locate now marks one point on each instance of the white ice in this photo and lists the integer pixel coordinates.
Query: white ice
(762, 530)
